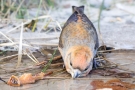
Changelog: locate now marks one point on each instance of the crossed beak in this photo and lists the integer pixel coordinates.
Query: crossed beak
(75, 73)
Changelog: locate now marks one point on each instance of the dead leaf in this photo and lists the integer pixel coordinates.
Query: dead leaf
(26, 78)
(14, 81)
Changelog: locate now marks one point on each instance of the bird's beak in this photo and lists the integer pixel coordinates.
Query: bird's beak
(75, 73)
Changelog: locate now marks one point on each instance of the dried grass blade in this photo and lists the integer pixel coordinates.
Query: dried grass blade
(20, 47)
(41, 17)
(7, 44)
(8, 56)
(35, 24)
(9, 9)
(6, 37)
(31, 58)
(59, 25)
(34, 58)
(19, 6)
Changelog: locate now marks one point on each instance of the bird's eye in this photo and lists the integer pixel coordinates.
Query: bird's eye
(86, 68)
(70, 63)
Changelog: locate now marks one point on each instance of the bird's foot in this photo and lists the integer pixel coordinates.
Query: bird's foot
(97, 63)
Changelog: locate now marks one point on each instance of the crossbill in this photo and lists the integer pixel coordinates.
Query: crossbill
(78, 43)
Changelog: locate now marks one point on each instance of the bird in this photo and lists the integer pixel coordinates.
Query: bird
(78, 43)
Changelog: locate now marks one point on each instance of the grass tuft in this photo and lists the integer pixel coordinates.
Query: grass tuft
(50, 61)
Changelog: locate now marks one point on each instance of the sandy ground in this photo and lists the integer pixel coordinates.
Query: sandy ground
(124, 57)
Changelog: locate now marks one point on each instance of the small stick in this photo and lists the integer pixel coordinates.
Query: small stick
(34, 58)
(12, 58)
(57, 58)
(31, 58)
(59, 73)
(9, 56)
(57, 64)
(41, 63)
(3, 80)
(51, 72)
(107, 50)
(20, 47)
(54, 59)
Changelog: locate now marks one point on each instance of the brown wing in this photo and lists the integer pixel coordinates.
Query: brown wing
(90, 26)
(71, 19)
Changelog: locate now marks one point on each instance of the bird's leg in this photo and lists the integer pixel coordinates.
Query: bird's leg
(99, 62)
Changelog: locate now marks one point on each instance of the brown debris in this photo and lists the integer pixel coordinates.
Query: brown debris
(56, 65)
(14, 81)
(45, 62)
(125, 75)
(41, 63)
(57, 58)
(115, 84)
(114, 73)
(26, 78)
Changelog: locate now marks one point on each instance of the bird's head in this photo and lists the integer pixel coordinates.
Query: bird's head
(78, 61)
